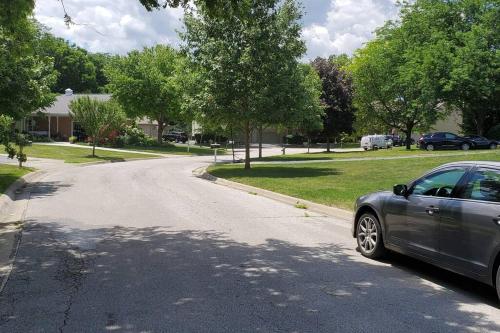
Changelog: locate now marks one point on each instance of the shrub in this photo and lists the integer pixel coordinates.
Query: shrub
(72, 139)
(494, 132)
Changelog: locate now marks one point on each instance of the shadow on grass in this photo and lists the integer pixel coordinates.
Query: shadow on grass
(263, 171)
(106, 158)
(157, 279)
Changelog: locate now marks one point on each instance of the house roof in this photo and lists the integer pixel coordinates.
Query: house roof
(61, 105)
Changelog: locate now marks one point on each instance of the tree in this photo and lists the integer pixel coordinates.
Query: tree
(450, 51)
(247, 62)
(25, 76)
(309, 112)
(77, 69)
(337, 96)
(149, 84)
(98, 118)
(474, 81)
(397, 77)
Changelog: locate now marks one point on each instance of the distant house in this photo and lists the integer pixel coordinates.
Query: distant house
(55, 121)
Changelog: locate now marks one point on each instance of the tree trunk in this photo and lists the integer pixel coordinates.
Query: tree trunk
(308, 144)
(161, 126)
(409, 130)
(232, 142)
(327, 144)
(247, 145)
(260, 141)
(93, 146)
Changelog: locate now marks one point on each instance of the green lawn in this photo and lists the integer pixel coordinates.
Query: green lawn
(78, 154)
(397, 151)
(337, 183)
(176, 150)
(9, 174)
(170, 149)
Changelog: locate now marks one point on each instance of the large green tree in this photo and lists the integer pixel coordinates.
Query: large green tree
(337, 96)
(248, 62)
(77, 69)
(149, 83)
(398, 77)
(25, 77)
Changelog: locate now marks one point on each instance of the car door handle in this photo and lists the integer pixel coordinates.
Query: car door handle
(431, 210)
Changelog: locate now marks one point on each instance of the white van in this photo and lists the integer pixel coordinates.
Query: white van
(370, 142)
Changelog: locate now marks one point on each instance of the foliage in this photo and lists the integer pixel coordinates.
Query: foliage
(26, 76)
(98, 118)
(494, 132)
(397, 76)
(136, 137)
(336, 96)
(21, 141)
(72, 139)
(247, 63)
(149, 84)
(6, 135)
(77, 69)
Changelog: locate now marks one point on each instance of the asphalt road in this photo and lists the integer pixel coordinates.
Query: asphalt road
(144, 246)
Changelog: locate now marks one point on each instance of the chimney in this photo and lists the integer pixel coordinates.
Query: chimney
(68, 92)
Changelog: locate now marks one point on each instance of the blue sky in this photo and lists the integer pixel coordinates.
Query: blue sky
(118, 26)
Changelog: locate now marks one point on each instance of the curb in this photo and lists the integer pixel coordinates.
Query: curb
(6, 198)
(341, 214)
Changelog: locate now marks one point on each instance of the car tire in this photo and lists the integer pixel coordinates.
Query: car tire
(369, 236)
(429, 147)
(465, 146)
(493, 146)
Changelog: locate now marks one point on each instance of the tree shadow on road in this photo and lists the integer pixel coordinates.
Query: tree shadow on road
(159, 279)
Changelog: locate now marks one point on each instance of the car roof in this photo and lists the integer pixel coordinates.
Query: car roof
(482, 163)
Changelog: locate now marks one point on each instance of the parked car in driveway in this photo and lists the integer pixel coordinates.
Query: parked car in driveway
(482, 142)
(450, 217)
(176, 137)
(444, 140)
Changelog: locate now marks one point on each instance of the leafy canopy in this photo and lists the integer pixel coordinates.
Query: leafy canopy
(98, 118)
(149, 83)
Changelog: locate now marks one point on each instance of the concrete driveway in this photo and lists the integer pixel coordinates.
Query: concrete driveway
(144, 246)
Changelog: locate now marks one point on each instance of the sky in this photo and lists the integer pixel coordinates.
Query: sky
(119, 26)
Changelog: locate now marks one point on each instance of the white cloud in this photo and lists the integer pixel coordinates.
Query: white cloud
(119, 26)
(110, 25)
(349, 24)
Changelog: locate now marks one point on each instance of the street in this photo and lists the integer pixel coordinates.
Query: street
(144, 246)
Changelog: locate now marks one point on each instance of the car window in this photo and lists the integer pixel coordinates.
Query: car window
(484, 185)
(440, 183)
(438, 136)
(450, 136)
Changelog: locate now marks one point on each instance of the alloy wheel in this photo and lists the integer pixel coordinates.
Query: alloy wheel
(367, 234)
(430, 147)
(465, 146)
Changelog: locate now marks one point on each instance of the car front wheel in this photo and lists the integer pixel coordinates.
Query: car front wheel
(369, 236)
(493, 146)
(430, 147)
(465, 146)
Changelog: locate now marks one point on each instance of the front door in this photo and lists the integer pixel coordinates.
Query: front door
(413, 222)
(470, 225)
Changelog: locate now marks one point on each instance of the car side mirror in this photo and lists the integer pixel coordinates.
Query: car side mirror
(400, 189)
